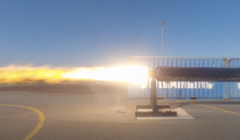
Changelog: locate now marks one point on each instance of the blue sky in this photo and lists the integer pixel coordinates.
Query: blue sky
(105, 32)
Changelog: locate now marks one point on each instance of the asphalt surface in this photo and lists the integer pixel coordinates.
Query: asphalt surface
(75, 116)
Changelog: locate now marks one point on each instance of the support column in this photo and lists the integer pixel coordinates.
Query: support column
(154, 96)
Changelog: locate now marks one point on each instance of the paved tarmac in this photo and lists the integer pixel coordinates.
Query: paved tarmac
(75, 116)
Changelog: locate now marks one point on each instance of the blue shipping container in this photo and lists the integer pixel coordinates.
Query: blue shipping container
(186, 90)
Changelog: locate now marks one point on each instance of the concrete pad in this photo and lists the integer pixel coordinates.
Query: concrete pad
(181, 114)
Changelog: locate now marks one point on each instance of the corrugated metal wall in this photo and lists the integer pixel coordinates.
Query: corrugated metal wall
(185, 90)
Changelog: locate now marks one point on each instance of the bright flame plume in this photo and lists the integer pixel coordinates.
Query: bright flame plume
(13, 74)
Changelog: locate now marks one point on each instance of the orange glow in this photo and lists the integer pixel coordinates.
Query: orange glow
(13, 74)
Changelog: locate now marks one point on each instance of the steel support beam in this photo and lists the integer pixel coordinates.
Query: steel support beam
(153, 96)
(154, 106)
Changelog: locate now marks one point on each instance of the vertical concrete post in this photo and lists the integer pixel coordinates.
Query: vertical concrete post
(226, 84)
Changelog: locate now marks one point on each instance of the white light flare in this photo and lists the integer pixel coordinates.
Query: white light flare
(15, 74)
(132, 74)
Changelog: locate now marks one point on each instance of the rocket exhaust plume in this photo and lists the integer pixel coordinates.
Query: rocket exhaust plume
(13, 74)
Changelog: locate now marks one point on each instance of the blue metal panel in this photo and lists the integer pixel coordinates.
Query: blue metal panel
(233, 86)
(185, 90)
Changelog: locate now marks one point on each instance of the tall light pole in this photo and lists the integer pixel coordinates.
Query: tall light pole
(162, 32)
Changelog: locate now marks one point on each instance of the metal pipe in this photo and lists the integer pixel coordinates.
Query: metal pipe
(162, 41)
(196, 74)
(162, 34)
